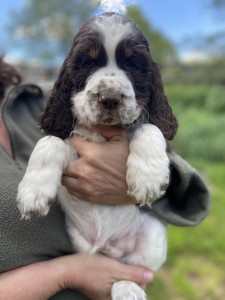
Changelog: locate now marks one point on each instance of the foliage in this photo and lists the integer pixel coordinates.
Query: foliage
(161, 47)
(187, 96)
(195, 265)
(216, 100)
(200, 111)
(218, 3)
(201, 135)
(210, 42)
(207, 72)
(46, 28)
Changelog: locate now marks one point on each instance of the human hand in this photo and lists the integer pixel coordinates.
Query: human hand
(94, 275)
(99, 175)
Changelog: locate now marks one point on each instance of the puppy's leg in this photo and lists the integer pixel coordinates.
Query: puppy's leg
(151, 246)
(150, 252)
(147, 165)
(127, 290)
(38, 188)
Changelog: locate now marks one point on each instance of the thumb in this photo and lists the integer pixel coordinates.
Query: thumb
(110, 133)
(140, 275)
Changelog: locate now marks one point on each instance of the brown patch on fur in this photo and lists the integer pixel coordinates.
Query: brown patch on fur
(128, 52)
(94, 53)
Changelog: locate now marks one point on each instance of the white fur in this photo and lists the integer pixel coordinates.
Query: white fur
(147, 165)
(39, 186)
(113, 32)
(111, 77)
(124, 232)
(127, 290)
(87, 111)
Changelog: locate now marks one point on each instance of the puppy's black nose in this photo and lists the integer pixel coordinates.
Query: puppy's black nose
(110, 101)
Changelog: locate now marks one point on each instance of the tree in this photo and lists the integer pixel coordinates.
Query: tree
(211, 44)
(46, 28)
(216, 41)
(161, 48)
(218, 3)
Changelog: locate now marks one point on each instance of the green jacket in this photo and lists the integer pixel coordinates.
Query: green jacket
(24, 242)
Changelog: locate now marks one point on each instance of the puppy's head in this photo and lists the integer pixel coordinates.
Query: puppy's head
(109, 78)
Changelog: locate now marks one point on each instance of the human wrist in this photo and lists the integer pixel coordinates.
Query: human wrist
(55, 279)
(37, 281)
(68, 269)
(56, 276)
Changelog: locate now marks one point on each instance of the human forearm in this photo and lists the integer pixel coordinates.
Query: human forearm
(93, 275)
(33, 282)
(187, 200)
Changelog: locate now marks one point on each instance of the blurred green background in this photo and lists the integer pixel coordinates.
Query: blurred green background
(42, 31)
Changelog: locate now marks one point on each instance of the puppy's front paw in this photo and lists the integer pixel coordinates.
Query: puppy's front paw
(38, 188)
(32, 200)
(148, 165)
(148, 181)
(127, 290)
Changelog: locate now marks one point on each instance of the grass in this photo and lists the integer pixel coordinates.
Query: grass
(195, 268)
(200, 110)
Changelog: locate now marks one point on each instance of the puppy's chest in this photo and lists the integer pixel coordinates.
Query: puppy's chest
(88, 134)
(94, 220)
(94, 136)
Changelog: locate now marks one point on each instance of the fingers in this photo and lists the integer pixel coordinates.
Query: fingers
(112, 133)
(143, 286)
(69, 182)
(80, 144)
(78, 188)
(73, 169)
(108, 132)
(139, 275)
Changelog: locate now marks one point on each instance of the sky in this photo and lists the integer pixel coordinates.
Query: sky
(177, 19)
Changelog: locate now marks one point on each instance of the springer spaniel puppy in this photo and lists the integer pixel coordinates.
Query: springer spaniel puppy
(107, 78)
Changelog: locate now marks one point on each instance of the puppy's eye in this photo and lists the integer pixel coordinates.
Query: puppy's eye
(87, 63)
(130, 63)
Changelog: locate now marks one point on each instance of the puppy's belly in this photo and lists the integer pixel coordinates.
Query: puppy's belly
(119, 248)
(111, 230)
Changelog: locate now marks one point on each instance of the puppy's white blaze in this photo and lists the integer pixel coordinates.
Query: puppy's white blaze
(113, 31)
(111, 77)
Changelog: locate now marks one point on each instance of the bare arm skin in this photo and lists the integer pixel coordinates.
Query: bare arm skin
(91, 275)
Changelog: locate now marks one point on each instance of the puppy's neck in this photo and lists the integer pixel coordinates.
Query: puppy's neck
(88, 134)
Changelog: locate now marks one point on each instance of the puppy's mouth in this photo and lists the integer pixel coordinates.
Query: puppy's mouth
(118, 117)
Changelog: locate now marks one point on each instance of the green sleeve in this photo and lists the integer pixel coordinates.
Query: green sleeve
(187, 200)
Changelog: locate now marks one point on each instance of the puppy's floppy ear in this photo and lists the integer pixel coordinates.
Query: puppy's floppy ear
(58, 119)
(160, 112)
